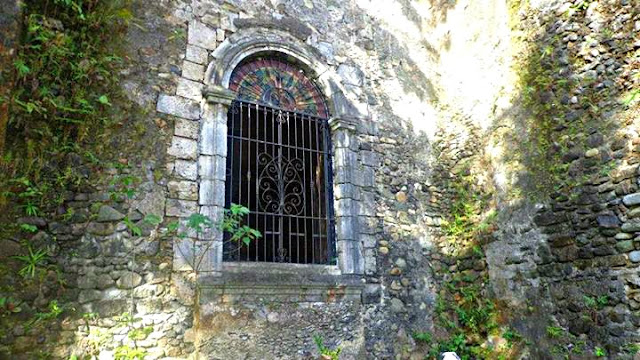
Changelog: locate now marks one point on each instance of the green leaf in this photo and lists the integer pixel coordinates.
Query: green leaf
(246, 241)
(104, 100)
(22, 68)
(28, 228)
(152, 219)
(173, 226)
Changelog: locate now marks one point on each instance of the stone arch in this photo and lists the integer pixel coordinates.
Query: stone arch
(253, 41)
(345, 123)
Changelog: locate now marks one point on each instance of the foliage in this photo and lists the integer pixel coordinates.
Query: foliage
(423, 337)
(65, 78)
(125, 352)
(326, 352)
(8, 306)
(54, 310)
(554, 331)
(32, 262)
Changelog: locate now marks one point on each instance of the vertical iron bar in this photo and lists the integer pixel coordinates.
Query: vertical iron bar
(328, 191)
(264, 146)
(313, 221)
(230, 171)
(247, 175)
(255, 176)
(318, 168)
(275, 215)
(240, 175)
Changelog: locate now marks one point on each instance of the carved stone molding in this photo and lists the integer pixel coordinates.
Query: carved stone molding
(216, 94)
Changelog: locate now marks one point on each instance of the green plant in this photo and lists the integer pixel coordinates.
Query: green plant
(125, 352)
(65, 77)
(511, 336)
(554, 331)
(8, 305)
(599, 352)
(32, 261)
(423, 337)
(326, 352)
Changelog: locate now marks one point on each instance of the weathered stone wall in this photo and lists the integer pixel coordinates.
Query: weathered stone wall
(433, 88)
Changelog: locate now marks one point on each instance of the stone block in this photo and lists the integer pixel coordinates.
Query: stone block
(350, 257)
(181, 208)
(212, 167)
(346, 191)
(608, 221)
(211, 192)
(192, 71)
(190, 253)
(108, 214)
(187, 129)
(189, 89)
(347, 228)
(346, 207)
(178, 106)
(197, 54)
(201, 35)
(631, 199)
(128, 280)
(214, 138)
(186, 169)
(215, 214)
(631, 226)
(183, 190)
(183, 148)
(370, 158)
(364, 177)
(344, 157)
(634, 256)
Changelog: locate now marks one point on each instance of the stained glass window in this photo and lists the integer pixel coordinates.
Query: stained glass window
(276, 83)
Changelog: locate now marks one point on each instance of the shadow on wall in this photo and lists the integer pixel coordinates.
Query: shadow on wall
(573, 142)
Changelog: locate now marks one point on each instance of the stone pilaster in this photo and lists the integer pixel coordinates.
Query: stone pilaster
(347, 195)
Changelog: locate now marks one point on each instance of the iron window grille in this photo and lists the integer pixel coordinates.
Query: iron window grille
(279, 167)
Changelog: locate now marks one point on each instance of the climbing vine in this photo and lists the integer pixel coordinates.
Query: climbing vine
(65, 82)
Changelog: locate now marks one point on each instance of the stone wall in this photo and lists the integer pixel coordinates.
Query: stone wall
(424, 96)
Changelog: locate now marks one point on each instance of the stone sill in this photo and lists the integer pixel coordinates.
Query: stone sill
(267, 282)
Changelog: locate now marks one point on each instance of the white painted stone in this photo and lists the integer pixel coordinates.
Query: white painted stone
(214, 138)
(215, 214)
(226, 22)
(192, 71)
(351, 75)
(186, 169)
(178, 106)
(187, 128)
(211, 167)
(350, 257)
(211, 192)
(201, 35)
(347, 227)
(183, 148)
(220, 35)
(197, 54)
(181, 208)
(189, 89)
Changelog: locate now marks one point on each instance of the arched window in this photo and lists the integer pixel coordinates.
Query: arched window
(278, 163)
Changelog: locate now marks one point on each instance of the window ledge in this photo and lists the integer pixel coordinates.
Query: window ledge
(269, 282)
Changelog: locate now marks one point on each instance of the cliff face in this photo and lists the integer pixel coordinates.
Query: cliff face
(486, 180)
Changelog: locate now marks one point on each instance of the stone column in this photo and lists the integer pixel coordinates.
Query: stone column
(212, 160)
(347, 195)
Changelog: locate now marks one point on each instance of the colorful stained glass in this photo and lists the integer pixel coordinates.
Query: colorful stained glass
(275, 83)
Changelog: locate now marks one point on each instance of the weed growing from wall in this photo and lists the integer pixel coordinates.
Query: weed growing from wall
(66, 72)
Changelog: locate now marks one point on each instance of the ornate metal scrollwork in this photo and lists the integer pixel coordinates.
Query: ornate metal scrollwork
(281, 186)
